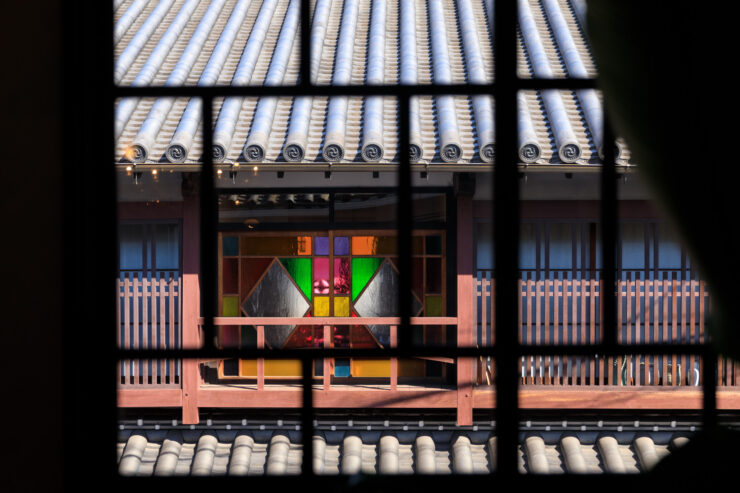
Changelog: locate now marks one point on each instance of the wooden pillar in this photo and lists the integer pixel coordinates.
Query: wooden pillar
(465, 307)
(190, 305)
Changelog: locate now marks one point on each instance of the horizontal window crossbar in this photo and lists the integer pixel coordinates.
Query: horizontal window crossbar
(407, 352)
(349, 90)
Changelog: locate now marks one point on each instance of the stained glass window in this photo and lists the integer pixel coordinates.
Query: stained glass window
(326, 275)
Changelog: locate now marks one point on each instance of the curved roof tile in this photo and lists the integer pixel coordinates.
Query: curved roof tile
(467, 57)
(279, 451)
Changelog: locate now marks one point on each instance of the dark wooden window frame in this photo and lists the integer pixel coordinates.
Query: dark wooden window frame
(91, 43)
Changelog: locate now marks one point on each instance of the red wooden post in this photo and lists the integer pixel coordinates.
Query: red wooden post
(190, 307)
(260, 361)
(465, 307)
(327, 361)
(394, 361)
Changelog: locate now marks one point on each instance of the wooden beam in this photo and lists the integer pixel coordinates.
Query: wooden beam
(333, 321)
(190, 307)
(149, 397)
(465, 306)
(334, 398)
(611, 398)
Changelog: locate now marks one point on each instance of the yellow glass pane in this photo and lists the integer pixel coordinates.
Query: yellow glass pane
(273, 368)
(411, 368)
(321, 306)
(371, 367)
(230, 307)
(341, 306)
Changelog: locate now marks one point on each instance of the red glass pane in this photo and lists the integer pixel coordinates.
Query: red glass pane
(230, 277)
(252, 270)
(434, 275)
(301, 337)
(341, 336)
(321, 276)
(361, 337)
(228, 336)
(341, 276)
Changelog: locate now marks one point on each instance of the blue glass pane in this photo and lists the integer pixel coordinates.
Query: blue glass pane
(131, 237)
(561, 246)
(231, 246)
(633, 245)
(167, 244)
(341, 367)
(434, 245)
(322, 245)
(341, 245)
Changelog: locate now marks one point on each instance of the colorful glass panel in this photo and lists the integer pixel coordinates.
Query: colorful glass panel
(300, 270)
(341, 276)
(321, 306)
(417, 245)
(276, 296)
(417, 276)
(434, 245)
(341, 336)
(433, 306)
(434, 275)
(252, 270)
(371, 367)
(321, 275)
(230, 246)
(301, 337)
(362, 270)
(341, 367)
(230, 306)
(228, 336)
(231, 367)
(322, 245)
(361, 337)
(282, 245)
(373, 245)
(341, 306)
(341, 245)
(248, 336)
(230, 278)
(380, 299)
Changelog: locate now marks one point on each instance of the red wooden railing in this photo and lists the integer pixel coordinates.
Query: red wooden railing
(565, 311)
(149, 318)
(263, 323)
(556, 311)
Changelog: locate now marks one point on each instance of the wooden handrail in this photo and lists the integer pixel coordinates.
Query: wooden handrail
(329, 320)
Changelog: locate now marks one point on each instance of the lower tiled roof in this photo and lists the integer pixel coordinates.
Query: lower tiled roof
(183, 451)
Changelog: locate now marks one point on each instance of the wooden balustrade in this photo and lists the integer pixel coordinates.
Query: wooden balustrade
(553, 311)
(568, 311)
(149, 318)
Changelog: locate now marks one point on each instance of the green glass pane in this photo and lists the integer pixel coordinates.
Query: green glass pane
(362, 270)
(433, 306)
(230, 306)
(249, 336)
(300, 270)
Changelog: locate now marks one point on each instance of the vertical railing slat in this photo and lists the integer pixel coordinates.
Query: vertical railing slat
(328, 343)
(260, 361)
(394, 361)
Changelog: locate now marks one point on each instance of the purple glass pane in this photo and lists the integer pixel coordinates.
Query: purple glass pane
(341, 245)
(322, 245)
(321, 275)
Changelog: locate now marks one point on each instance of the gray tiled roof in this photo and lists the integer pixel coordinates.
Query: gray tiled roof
(276, 451)
(207, 42)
